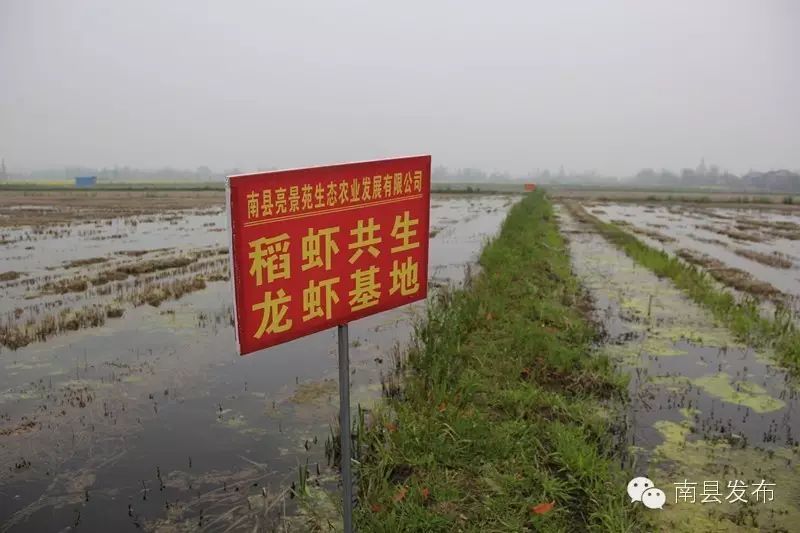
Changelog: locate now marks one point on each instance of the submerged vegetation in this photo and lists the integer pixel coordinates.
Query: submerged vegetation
(730, 276)
(501, 422)
(743, 316)
(733, 233)
(138, 282)
(774, 259)
(14, 336)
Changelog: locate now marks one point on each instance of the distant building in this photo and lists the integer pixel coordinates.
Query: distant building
(85, 181)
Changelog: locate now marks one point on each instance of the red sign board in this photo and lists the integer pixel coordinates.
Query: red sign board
(318, 247)
(530, 186)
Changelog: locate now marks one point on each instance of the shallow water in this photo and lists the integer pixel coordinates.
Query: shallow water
(152, 421)
(702, 406)
(690, 229)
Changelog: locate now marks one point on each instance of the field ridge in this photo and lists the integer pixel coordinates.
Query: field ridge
(502, 420)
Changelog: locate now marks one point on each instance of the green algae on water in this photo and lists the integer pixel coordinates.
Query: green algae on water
(743, 393)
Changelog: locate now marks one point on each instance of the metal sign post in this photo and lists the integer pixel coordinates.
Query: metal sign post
(344, 428)
(312, 248)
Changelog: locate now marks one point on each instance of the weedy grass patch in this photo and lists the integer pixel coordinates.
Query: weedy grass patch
(502, 421)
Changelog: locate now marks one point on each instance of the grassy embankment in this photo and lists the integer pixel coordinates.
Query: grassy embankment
(742, 316)
(502, 407)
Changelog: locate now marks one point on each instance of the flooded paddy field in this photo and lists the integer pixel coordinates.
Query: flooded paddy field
(755, 251)
(60, 207)
(122, 402)
(705, 410)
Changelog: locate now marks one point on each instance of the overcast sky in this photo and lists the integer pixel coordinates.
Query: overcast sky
(610, 86)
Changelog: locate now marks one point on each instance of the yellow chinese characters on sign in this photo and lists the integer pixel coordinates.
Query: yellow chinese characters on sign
(317, 247)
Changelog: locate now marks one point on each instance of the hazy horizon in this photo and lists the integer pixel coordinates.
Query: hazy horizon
(611, 87)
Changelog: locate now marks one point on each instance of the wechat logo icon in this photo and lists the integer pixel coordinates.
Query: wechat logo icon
(642, 489)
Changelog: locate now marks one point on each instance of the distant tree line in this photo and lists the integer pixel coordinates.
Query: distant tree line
(702, 176)
(125, 174)
(470, 175)
(713, 177)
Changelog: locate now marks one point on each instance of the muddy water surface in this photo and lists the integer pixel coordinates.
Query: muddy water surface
(150, 421)
(709, 231)
(703, 408)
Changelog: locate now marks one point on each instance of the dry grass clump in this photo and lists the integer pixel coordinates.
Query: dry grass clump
(748, 224)
(775, 259)
(64, 286)
(139, 253)
(154, 294)
(16, 336)
(786, 234)
(779, 226)
(86, 317)
(114, 312)
(729, 276)
(153, 265)
(712, 214)
(222, 250)
(733, 233)
(10, 275)
(85, 262)
(108, 275)
(697, 258)
(740, 235)
(653, 234)
(711, 241)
